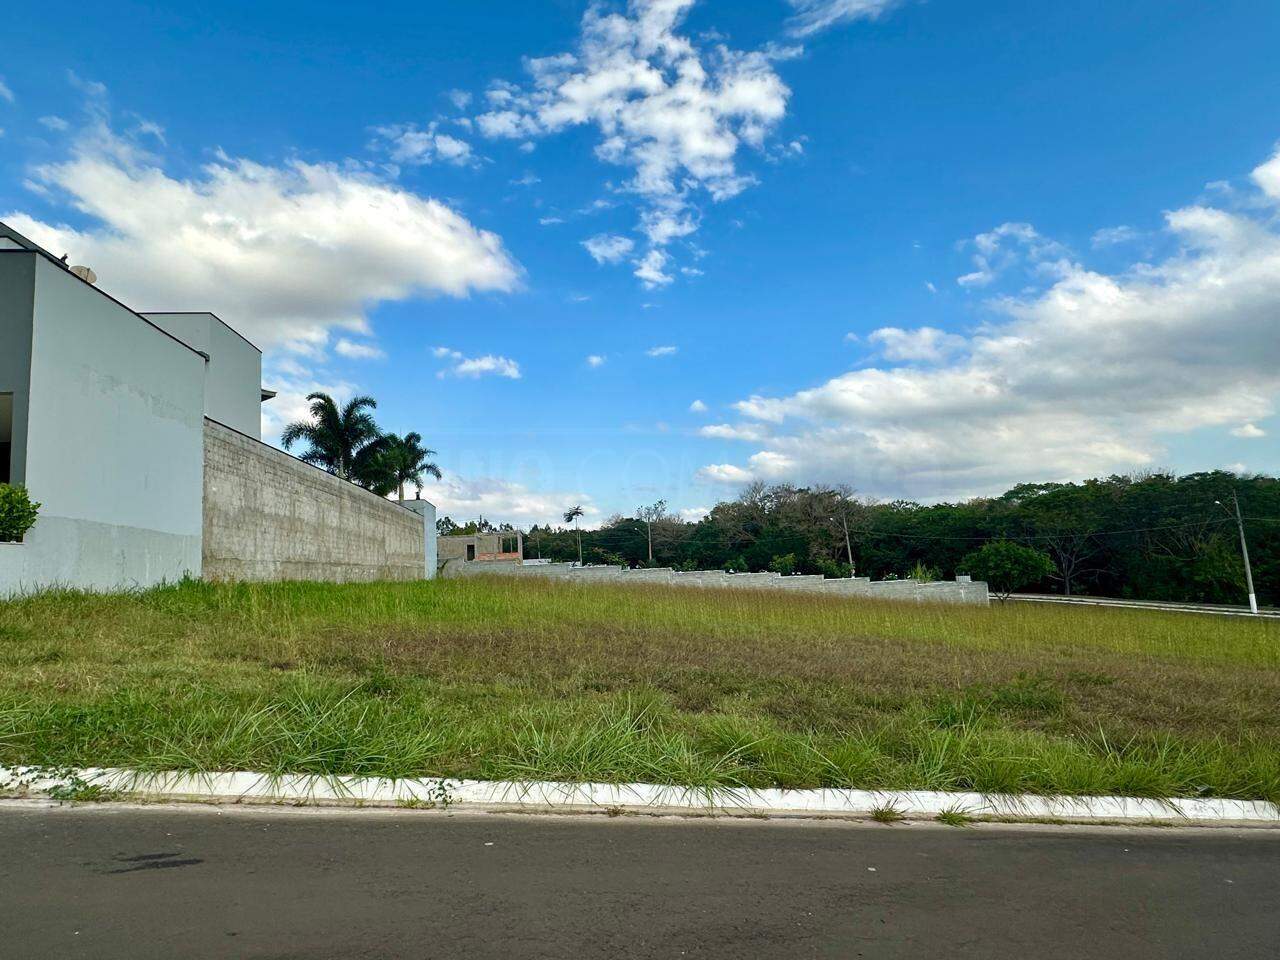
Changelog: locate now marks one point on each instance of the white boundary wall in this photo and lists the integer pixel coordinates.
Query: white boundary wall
(960, 590)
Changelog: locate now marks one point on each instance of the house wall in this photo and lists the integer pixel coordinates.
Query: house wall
(269, 516)
(488, 546)
(109, 433)
(233, 379)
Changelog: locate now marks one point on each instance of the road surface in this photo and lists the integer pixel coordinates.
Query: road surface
(1218, 609)
(194, 883)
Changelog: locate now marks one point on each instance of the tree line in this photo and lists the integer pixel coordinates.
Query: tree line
(1152, 536)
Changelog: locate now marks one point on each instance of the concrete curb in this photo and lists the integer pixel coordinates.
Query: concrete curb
(629, 798)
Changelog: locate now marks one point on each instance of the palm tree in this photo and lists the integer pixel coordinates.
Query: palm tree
(571, 516)
(401, 460)
(342, 440)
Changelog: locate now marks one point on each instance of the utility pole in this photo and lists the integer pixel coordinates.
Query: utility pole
(844, 522)
(848, 546)
(1244, 551)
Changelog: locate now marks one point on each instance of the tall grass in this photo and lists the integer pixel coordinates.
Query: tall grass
(550, 681)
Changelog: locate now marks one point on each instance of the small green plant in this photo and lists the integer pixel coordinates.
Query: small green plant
(18, 512)
(437, 794)
(76, 789)
(887, 813)
(954, 817)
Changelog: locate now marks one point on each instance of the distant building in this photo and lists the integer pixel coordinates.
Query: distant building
(139, 434)
(503, 545)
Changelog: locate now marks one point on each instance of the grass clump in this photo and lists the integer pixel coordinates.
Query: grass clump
(954, 818)
(887, 813)
(516, 680)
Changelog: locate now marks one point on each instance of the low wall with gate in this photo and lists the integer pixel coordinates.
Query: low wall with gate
(960, 590)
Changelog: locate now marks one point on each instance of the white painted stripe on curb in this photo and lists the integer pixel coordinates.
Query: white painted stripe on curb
(244, 787)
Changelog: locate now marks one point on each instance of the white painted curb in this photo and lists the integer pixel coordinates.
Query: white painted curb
(631, 797)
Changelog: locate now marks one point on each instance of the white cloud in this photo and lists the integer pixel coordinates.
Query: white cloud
(5, 93)
(459, 98)
(673, 111)
(476, 367)
(528, 180)
(1267, 177)
(693, 514)
(550, 221)
(812, 16)
(1249, 431)
(605, 248)
(408, 143)
(502, 501)
(697, 407)
(752, 432)
(726, 473)
(292, 382)
(649, 269)
(1090, 375)
(662, 351)
(1001, 248)
(54, 123)
(595, 360)
(1113, 236)
(927, 344)
(283, 253)
(928, 285)
(353, 350)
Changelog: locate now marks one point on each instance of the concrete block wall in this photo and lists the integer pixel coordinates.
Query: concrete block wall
(960, 590)
(268, 516)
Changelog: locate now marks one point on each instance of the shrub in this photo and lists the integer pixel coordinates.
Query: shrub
(834, 569)
(785, 564)
(1006, 566)
(17, 513)
(922, 573)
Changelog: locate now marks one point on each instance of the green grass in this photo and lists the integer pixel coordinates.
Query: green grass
(521, 680)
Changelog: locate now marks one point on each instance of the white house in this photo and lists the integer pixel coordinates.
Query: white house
(108, 417)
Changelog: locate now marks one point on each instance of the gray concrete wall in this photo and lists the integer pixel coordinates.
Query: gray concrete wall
(942, 591)
(427, 510)
(113, 437)
(269, 516)
(233, 378)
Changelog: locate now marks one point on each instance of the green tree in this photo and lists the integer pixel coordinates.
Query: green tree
(401, 460)
(345, 440)
(1006, 566)
(571, 516)
(17, 512)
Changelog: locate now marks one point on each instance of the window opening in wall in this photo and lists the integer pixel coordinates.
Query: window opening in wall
(471, 551)
(6, 436)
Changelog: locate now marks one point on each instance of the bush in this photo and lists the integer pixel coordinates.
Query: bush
(834, 569)
(922, 573)
(785, 564)
(1006, 566)
(17, 513)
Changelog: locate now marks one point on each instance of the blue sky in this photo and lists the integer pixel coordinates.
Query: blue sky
(926, 249)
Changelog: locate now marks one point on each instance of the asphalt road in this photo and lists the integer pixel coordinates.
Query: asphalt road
(1217, 609)
(190, 883)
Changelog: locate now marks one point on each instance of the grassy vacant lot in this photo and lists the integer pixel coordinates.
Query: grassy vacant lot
(502, 679)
